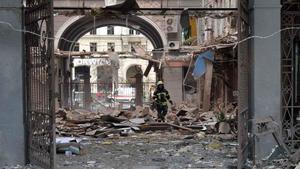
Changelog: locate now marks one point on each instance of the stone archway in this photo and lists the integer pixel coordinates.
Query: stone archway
(77, 26)
(131, 73)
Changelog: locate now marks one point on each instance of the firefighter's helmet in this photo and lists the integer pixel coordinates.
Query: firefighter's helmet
(160, 83)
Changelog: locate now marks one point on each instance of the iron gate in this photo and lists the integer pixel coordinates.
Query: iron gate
(243, 82)
(290, 100)
(40, 129)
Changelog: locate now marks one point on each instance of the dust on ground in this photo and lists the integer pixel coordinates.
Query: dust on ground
(153, 150)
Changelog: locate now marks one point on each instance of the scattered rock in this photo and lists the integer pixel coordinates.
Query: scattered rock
(158, 159)
(91, 162)
(124, 156)
(137, 120)
(107, 143)
(67, 163)
(224, 128)
(189, 137)
(227, 136)
(185, 149)
(201, 135)
(215, 144)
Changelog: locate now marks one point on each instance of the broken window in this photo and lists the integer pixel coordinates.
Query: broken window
(111, 46)
(110, 30)
(131, 31)
(93, 32)
(93, 47)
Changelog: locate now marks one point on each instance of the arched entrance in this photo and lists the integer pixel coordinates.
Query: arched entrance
(79, 26)
(131, 73)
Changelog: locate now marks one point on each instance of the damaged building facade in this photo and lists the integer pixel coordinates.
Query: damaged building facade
(259, 74)
(111, 49)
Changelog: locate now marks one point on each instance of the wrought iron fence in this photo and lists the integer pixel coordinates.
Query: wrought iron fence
(290, 72)
(40, 117)
(243, 83)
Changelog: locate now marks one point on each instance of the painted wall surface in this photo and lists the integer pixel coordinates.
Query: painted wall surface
(121, 39)
(125, 64)
(173, 78)
(11, 85)
(265, 80)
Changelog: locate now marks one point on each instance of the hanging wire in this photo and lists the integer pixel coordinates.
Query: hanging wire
(234, 44)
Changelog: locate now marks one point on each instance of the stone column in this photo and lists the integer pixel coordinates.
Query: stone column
(265, 70)
(139, 90)
(12, 141)
(87, 98)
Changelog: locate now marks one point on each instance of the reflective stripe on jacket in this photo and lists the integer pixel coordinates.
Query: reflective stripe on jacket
(161, 97)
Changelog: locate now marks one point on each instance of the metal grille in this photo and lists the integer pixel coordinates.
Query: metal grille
(107, 95)
(243, 83)
(290, 17)
(39, 83)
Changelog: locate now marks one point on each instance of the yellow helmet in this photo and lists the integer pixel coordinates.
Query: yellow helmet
(160, 83)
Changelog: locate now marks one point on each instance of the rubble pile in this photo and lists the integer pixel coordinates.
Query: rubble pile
(184, 117)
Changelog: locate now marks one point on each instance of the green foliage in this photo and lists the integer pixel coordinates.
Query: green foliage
(221, 116)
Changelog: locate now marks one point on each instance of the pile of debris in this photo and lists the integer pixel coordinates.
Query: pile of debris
(186, 118)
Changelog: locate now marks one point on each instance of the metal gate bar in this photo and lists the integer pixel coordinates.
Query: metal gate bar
(39, 83)
(243, 82)
(290, 17)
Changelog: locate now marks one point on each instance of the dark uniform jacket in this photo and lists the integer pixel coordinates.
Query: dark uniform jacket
(161, 97)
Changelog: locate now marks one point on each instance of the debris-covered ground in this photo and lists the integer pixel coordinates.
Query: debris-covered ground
(133, 139)
(101, 124)
(112, 139)
(164, 149)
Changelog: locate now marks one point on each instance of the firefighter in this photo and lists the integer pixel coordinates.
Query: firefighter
(161, 98)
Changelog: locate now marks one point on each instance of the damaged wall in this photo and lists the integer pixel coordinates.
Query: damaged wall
(212, 25)
(224, 83)
(173, 83)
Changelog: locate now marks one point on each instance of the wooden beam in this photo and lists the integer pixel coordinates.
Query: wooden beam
(150, 64)
(207, 85)
(177, 63)
(66, 54)
(146, 58)
(200, 93)
(72, 54)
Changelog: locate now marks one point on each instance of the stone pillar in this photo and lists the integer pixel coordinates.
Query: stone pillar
(87, 98)
(265, 71)
(139, 90)
(173, 79)
(65, 86)
(12, 141)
